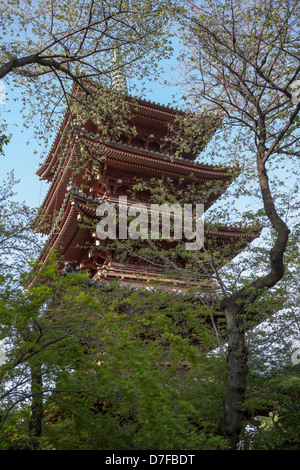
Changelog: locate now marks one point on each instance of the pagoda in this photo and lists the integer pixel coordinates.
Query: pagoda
(89, 163)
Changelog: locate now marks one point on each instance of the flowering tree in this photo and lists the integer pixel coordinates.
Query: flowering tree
(47, 46)
(242, 62)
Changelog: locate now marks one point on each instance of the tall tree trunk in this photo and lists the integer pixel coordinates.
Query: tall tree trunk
(231, 424)
(35, 423)
(237, 368)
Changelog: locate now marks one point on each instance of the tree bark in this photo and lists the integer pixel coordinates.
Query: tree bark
(237, 356)
(35, 423)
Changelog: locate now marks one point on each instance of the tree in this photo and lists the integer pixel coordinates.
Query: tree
(4, 139)
(59, 44)
(133, 363)
(17, 242)
(245, 74)
(242, 61)
(74, 42)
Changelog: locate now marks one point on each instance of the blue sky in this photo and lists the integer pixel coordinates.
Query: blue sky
(19, 156)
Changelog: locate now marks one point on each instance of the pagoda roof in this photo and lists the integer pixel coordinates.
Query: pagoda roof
(73, 242)
(177, 165)
(130, 154)
(127, 158)
(46, 169)
(86, 205)
(138, 156)
(156, 114)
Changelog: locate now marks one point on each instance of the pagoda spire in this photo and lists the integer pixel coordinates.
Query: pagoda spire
(118, 77)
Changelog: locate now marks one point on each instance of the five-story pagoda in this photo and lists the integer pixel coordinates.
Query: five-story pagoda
(125, 143)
